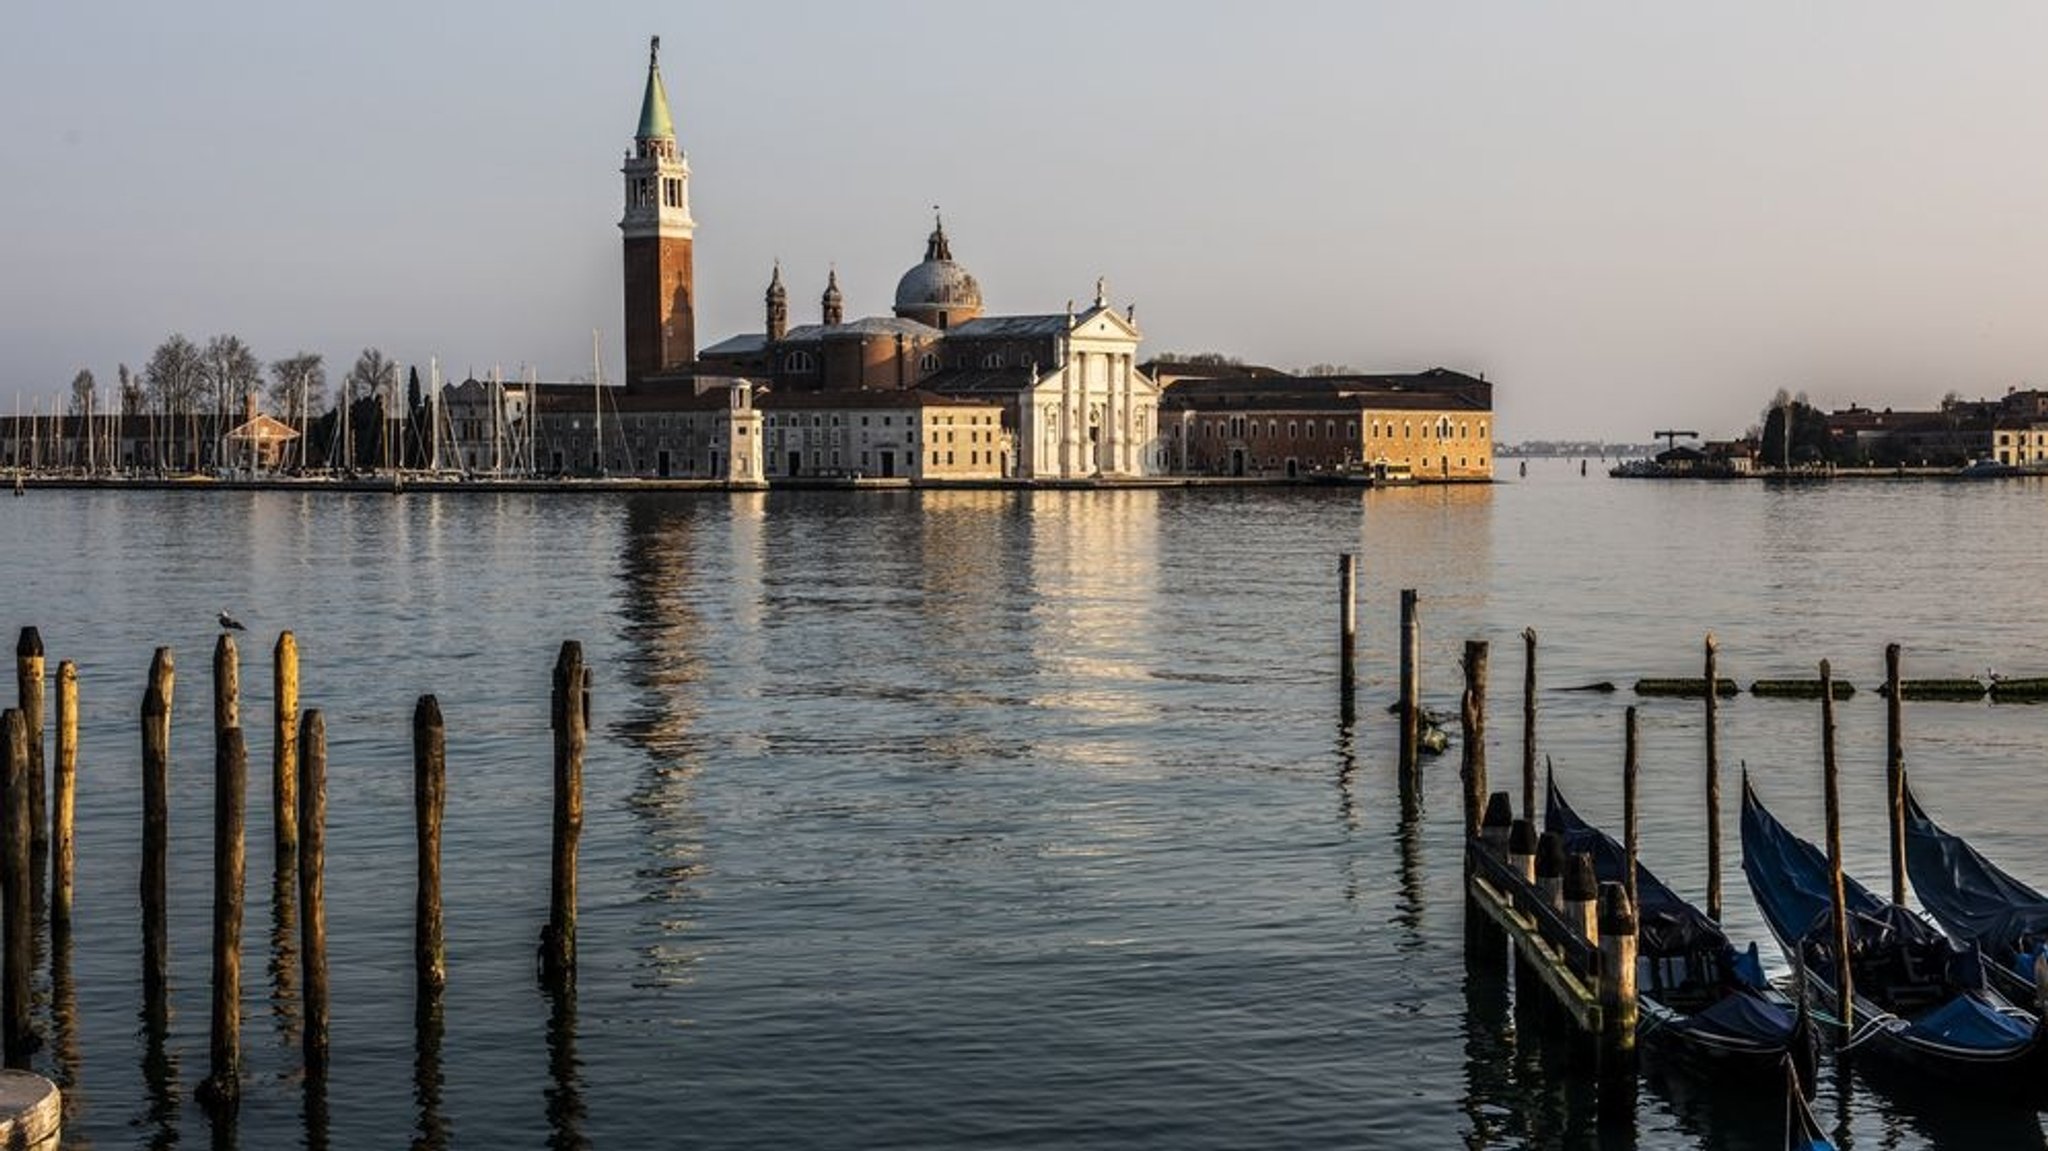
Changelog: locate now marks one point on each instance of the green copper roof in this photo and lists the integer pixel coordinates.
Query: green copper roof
(655, 123)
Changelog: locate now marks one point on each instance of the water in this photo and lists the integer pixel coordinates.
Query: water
(980, 818)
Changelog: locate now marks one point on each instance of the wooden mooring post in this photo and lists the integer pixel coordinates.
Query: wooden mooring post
(284, 750)
(1472, 722)
(1713, 650)
(17, 937)
(64, 799)
(156, 837)
(1347, 634)
(1844, 984)
(1411, 677)
(227, 685)
(28, 670)
(1550, 864)
(571, 722)
(1528, 723)
(312, 794)
(1618, 927)
(430, 799)
(222, 1087)
(1630, 769)
(1895, 770)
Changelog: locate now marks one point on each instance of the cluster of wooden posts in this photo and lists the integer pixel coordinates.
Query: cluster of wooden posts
(1573, 937)
(29, 830)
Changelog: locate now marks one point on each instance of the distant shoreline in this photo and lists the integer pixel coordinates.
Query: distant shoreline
(590, 486)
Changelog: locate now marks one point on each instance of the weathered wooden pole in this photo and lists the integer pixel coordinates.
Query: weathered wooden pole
(17, 1037)
(1472, 718)
(1522, 850)
(1347, 629)
(227, 685)
(1713, 781)
(430, 798)
(1582, 896)
(1411, 677)
(571, 718)
(284, 749)
(1895, 770)
(1528, 723)
(1629, 771)
(64, 798)
(28, 670)
(156, 836)
(312, 794)
(1550, 868)
(222, 1087)
(1497, 825)
(1618, 968)
(1844, 984)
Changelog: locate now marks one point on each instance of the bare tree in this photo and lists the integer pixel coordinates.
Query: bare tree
(131, 392)
(174, 375)
(82, 387)
(372, 371)
(1329, 370)
(232, 371)
(298, 382)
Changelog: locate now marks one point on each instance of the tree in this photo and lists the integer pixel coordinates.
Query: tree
(372, 371)
(131, 392)
(82, 386)
(298, 383)
(1216, 358)
(232, 371)
(1809, 441)
(1329, 370)
(174, 375)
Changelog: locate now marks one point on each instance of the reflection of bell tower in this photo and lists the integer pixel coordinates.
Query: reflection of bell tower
(661, 326)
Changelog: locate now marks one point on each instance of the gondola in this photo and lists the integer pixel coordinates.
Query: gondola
(1975, 902)
(1694, 992)
(1919, 999)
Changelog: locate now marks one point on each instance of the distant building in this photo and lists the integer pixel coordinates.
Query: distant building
(1435, 425)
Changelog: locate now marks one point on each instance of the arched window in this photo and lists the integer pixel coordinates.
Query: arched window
(799, 362)
(992, 360)
(929, 362)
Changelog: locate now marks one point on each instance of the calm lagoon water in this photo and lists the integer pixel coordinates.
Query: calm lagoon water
(984, 818)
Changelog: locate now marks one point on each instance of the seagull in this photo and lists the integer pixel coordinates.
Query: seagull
(230, 622)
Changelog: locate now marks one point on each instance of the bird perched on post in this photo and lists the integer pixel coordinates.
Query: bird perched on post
(230, 622)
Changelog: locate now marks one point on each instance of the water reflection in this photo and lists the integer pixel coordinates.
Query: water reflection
(433, 1132)
(284, 952)
(666, 641)
(67, 1061)
(564, 1093)
(160, 1080)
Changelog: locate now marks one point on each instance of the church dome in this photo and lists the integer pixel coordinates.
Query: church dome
(938, 290)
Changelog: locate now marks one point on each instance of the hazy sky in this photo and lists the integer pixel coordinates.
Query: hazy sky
(1628, 216)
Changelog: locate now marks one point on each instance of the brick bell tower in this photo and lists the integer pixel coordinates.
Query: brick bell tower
(661, 322)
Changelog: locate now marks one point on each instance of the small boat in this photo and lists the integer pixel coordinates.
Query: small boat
(1976, 902)
(1803, 1131)
(1919, 999)
(1986, 469)
(1694, 992)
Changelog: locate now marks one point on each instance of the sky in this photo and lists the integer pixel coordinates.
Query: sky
(1627, 216)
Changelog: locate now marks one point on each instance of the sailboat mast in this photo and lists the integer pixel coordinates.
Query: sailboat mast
(597, 397)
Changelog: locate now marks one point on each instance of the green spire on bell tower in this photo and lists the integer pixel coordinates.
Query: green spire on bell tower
(655, 123)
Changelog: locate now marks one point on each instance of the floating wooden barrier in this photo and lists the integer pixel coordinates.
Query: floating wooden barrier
(1951, 689)
(1689, 687)
(2019, 690)
(1798, 689)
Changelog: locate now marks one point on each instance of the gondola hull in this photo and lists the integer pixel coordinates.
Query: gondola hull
(1916, 999)
(1734, 1022)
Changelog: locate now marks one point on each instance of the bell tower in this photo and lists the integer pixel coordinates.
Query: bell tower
(660, 283)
